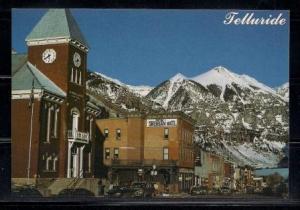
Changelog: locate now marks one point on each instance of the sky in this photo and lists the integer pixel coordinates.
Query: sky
(146, 46)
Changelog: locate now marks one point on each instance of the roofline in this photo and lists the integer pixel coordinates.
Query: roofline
(57, 40)
(31, 65)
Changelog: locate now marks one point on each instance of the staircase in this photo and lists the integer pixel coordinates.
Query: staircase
(90, 184)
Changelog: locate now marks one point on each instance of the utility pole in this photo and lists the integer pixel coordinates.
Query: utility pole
(31, 104)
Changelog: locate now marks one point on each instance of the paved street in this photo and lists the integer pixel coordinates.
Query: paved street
(183, 199)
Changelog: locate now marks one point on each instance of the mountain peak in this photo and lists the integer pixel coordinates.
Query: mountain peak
(285, 85)
(221, 69)
(178, 77)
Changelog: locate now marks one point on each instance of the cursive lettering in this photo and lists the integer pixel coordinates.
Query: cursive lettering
(250, 19)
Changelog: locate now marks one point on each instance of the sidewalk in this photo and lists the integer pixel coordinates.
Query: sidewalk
(177, 195)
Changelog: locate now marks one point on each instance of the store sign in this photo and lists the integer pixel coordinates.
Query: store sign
(161, 122)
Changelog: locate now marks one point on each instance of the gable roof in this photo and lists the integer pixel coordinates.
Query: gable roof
(23, 77)
(57, 23)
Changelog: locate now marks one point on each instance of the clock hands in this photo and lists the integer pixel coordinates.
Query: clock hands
(48, 55)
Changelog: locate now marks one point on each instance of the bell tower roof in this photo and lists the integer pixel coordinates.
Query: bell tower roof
(57, 24)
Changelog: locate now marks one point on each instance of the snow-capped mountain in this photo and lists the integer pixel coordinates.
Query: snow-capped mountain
(236, 115)
(222, 83)
(283, 90)
(224, 79)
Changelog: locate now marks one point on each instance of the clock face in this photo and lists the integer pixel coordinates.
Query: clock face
(49, 56)
(76, 59)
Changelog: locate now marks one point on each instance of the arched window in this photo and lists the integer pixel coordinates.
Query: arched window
(48, 159)
(49, 120)
(75, 118)
(55, 159)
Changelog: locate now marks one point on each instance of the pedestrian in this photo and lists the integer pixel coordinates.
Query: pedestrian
(100, 187)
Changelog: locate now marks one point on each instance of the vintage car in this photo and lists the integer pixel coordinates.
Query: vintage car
(199, 190)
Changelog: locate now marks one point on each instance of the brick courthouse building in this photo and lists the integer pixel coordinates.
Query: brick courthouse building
(53, 119)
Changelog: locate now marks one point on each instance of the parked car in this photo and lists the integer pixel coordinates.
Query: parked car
(143, 189)
(25, 192)
(199, 190)
(78, 192)
(250, 189)
(267, 191)
(225, 191)
(119, 191)
(215, 191)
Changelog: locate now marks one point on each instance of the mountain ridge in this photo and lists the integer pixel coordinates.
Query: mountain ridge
(242, 117)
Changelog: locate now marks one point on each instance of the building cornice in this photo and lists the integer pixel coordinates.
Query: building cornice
(38, 94)
(57, 40)
(26, 94)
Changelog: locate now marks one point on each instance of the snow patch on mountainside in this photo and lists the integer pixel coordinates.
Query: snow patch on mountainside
(236, 115)
(174, 85)
(223, 78)
(141, 90)
(283, 90)
(246, 153)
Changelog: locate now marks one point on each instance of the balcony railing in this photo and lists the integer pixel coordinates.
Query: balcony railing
(77, 136)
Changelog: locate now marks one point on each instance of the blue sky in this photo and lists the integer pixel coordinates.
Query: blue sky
(150, 46)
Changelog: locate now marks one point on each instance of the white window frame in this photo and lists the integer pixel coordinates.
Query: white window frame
(91, 127)
(79, 77)
(76, 76)
(50, 108)
(165, 153)
(72, 75)
(48, 159)
(107, 157)
(166, 133)
(55, 122)
(106, 132)
(55, 163)
(116, 153)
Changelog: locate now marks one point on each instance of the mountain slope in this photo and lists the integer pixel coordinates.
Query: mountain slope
(231, 110)
(236, 115)
(129, 98)
(283, 90)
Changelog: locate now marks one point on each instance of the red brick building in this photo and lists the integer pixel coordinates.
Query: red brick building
(53, 119)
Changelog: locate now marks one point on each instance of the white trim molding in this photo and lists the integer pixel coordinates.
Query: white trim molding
(25, 94)
(56, 40)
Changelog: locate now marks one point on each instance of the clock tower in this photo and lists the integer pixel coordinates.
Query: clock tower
(57, 48)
